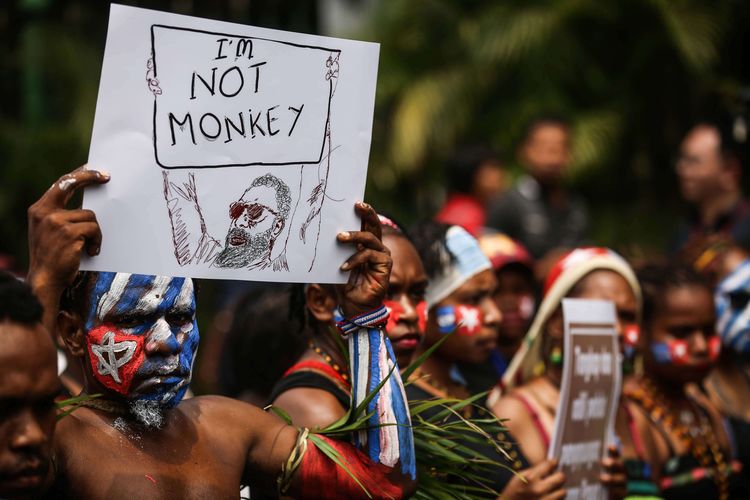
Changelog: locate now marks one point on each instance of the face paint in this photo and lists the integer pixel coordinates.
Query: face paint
(733, 309)
(672, 352)
(464, 319)
(526, 306)
(395, 310)
(115, 357)
(714, 348)
(160, 332)
(632, 334)
(422, 315)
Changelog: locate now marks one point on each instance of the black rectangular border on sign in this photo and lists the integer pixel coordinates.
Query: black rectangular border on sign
(328, 117)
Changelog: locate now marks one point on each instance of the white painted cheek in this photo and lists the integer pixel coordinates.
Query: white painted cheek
(526, 306)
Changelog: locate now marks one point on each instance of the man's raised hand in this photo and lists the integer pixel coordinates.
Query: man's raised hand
(57, 235)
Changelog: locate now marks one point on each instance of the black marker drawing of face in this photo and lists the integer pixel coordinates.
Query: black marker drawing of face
(257, 219)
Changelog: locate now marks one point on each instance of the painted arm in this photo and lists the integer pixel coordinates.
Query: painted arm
(382, 458)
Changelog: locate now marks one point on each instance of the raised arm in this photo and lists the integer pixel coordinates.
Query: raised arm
(382, 458)
(58, 236)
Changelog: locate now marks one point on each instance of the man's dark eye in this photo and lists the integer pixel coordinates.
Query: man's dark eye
(739, 300)
(179, 319)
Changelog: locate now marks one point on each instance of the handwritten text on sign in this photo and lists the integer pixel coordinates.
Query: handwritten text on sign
(224, 100)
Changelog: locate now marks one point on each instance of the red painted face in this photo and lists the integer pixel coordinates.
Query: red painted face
(115, 356)
(395, 310)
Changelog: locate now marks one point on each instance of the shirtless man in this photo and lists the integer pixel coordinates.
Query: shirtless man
(136, 337)
(28, 386)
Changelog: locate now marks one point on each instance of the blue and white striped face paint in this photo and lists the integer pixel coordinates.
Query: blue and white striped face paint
(161, 311)
(733, 309)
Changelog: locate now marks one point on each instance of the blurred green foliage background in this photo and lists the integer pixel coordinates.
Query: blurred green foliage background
(631, 75)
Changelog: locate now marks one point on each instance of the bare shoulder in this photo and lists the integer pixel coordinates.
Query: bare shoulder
(310, 407)
(511, 409)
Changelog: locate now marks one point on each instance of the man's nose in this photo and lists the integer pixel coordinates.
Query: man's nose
(161, 339)
(409, 313)
(29, 432)
(698, 344)
(491, 315)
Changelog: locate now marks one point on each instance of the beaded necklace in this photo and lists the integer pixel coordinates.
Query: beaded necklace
(328, 359)
(706, 451)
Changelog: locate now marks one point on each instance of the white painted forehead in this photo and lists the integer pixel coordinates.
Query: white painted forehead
(156, 290)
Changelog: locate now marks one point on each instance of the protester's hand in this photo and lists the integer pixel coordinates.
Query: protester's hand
(370, 266)
(542, 482)
(57, 236)
(613, 475)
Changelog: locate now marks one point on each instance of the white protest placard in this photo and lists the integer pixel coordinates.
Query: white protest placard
(236, 152)
(589, 395)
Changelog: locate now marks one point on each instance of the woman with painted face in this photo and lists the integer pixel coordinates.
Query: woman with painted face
(316, 391)
(460, 304)
(529, 392)
(515, 297)
(686, 445)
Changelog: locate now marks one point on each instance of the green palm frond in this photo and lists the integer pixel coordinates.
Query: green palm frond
(695, 32)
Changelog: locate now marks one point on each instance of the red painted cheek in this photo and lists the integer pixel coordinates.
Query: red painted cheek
(395, 310)
(115, 357)
(422, 315)
(679, 351)
(632, 334)
(714, 347)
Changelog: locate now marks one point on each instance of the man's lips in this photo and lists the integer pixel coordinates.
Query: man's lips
(29, 476)
(149, 382)
(237, 239)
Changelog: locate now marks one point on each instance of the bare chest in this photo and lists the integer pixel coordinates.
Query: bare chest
(112, 464)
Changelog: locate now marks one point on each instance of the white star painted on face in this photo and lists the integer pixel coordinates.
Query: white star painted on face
(470, 318)
(110, 348)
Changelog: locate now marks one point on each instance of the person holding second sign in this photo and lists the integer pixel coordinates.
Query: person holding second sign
(529, 392)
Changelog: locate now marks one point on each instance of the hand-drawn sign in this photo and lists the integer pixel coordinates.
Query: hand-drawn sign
(589, 395)
(226, 100)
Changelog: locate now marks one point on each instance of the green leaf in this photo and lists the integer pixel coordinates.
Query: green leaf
(280, 413)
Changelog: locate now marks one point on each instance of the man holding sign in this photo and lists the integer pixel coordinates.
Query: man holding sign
(136, 338)
(240, 108)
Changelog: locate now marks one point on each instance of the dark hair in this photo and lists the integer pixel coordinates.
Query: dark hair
(463, 166)
(266, 337)
(18, 304)
(657, 279)
(428, 238)
(283, 196)
(544, 119)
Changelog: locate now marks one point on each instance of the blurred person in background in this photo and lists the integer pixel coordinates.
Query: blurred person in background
(475, 176)
(540, 211)
(686, 448)
(709, 169)
(515, 297)
(265, 338)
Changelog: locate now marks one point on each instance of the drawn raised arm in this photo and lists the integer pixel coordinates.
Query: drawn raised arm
(57, 236)
(192, 242)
